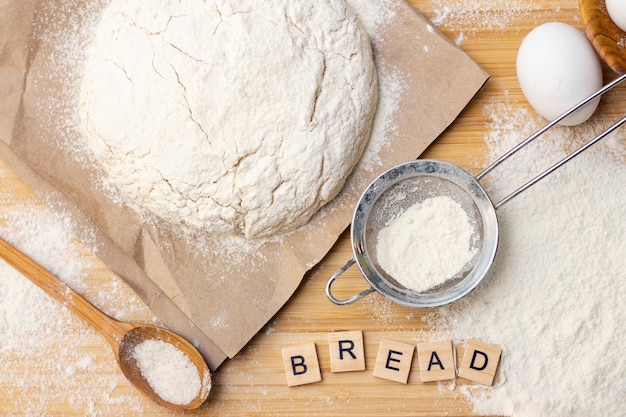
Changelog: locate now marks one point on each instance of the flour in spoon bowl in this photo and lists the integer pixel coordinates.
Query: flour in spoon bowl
(170, 372)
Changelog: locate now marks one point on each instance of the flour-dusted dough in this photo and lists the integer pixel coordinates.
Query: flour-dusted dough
(232, 117)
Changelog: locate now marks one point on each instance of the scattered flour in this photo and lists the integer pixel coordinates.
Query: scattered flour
(554, 299)
(36, 328)
(477, 15)
(427, 244)
(373, 15)
(170, 372)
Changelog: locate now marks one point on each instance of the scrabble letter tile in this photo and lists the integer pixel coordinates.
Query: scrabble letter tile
(301, 364)
(480, 362)
(346, 351)
(393, 361)
(436, 360)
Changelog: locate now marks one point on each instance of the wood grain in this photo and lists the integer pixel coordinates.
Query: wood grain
(254, 382)
(606, 37)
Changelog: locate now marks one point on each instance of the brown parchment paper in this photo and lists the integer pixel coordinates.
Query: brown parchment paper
(216, 292)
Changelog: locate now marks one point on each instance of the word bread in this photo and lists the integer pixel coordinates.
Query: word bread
(436, 360)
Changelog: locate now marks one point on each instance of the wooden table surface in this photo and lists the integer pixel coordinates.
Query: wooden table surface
(254, 383)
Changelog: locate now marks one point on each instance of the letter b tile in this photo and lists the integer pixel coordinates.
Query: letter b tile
(301, 364)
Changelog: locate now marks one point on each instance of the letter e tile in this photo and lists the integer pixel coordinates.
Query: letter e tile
(394, 360)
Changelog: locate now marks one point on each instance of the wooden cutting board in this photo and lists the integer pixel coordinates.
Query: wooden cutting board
(254, 382)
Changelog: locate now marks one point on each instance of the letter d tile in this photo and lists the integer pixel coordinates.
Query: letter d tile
(480, 362)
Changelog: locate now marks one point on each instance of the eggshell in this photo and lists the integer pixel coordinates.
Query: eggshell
(557, 67)
(617, 12)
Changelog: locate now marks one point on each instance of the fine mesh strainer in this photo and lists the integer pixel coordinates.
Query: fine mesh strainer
(404, 185)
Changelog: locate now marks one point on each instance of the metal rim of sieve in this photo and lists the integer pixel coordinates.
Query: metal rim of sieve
(377, 278)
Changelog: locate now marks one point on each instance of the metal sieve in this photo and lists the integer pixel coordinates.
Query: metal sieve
(404, 185)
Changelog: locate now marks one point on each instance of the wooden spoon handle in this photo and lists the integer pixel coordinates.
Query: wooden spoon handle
(111, 329)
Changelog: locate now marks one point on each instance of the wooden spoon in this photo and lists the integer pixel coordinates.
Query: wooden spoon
(123, 337)
(607, 38)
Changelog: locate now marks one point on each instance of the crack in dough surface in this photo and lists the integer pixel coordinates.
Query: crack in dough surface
(231, 117)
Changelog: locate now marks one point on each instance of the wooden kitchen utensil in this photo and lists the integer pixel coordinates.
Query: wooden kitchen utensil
(122, 336)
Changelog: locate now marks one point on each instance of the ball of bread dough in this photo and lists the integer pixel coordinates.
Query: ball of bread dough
(230, 117)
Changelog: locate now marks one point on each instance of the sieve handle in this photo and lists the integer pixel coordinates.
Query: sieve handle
(543, 130)
(559, 164)
(336, 275)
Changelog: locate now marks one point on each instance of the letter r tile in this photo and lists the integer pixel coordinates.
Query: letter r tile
(301, 364)
(480, 362)
(346, 351)
(394, 360)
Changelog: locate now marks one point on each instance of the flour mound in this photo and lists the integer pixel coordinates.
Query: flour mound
(231, 117)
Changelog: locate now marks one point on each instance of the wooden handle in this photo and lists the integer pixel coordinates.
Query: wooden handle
(111, 329)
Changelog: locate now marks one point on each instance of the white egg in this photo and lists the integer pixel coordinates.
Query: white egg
(617, 12)
(557, 67)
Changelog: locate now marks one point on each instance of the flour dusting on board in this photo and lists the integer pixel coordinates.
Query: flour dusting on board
(477, 15)
(43, 344)
(554, 299)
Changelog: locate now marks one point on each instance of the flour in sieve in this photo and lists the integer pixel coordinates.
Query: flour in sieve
(427, 244)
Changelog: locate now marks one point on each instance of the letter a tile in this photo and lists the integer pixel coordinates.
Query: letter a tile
(393, 361)
(301, 364)
(346, 351)
(436, 360)
(480, 362)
